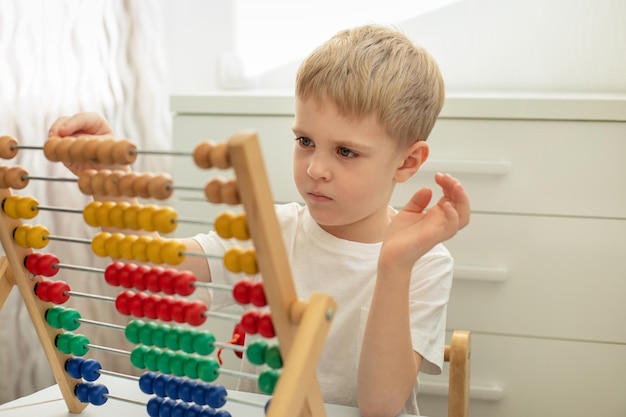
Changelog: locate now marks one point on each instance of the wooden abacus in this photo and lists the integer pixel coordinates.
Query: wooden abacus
(300, 326)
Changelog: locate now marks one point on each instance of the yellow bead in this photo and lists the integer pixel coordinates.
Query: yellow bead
(112, 245)
(248, 262)
(232, 259)
(145, 217)
(103, 213)
(130, 217)
(222, 225)
(126, 247)
(165, 220)
(139, 248)
(97, 243)
(27, 207)
(153, 250)
(239, 227)
(37, 237)
(9, 205)
(20, 233)
(89, 213)
(116, 215)
(172, 252)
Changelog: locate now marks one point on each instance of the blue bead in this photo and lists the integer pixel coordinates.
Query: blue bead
(159, 384)
(166, 408)
(267, 405)
(185, 388)
(97, 394)
(207, 412)
(198, 395)
(179, 409)
(153, 406)
(171, 388)
(145, 382)
(82, 391)
(72, 366)
(90, 370)
(222, 413)
(216, 396)
(193, 410)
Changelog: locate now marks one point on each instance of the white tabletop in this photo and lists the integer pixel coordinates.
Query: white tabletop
(49, 403)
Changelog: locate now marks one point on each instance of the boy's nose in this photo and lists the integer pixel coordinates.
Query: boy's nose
(318, 169)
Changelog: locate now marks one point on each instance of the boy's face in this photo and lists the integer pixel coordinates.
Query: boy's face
(345, 170)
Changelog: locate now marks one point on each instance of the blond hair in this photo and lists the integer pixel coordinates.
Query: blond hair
(376, 70)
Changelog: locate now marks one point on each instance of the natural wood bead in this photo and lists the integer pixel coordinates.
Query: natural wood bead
(98, 180)
(62, 150)
(159, 187)
(6, 147)
(123, 152)
(212, 190)
(14, 177)
(112, 183)
(125, 184)
(230, 192)
(76, 151)
(202, 154)
(219, 156)
(104, 151)
(3, 173)
(49, 148)
(140, 185)
(90, 149)
(84, 181)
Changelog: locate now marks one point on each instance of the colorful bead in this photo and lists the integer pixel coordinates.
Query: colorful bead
(273, 357)
(267, 381)
(256, 352)
(145, 382)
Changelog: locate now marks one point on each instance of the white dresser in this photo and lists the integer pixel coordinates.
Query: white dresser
(540, 275)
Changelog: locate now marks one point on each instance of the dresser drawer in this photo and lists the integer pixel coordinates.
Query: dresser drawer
(539, 276)
(530, 166)
(521, 377)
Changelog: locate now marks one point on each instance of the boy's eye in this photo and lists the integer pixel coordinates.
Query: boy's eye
(306, 142)
(345, 152)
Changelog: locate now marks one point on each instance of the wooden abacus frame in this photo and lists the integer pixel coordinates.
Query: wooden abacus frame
(301, 326)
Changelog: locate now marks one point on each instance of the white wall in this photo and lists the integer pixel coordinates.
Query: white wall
(481, 45)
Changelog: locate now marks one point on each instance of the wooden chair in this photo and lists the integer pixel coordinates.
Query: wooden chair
(458, 354)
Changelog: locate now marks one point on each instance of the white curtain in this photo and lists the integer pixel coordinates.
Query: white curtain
(59, 57)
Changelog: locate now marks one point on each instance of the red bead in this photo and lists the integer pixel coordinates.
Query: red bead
(164, 308)
(30, 262)
(153, 282)
(178, 310)
(58, 292)
(249, 321)
(166, 280)
(150, 306)
(257, 294)
(241, 291)
(138, 277)
(135, 304)
(47, 265)
(184, 283)
(41, 289)
(121, 302)
(123, 275)
(110, 273)
(194, 313)
(265, 326)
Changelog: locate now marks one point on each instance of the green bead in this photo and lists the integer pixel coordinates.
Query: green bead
(190, 366)
(267, 381)
(177, 364)
(138, 355)
(172, 338)
(256, 351)
(273, 358)
(78, 345)
(52, 316)
(150, 358)
(204, 343)
(208, 369)
(63, 342)
(132, 331)
(69, 319)
(158, 335)
(146, 332)
(186, 340)
(164, 360)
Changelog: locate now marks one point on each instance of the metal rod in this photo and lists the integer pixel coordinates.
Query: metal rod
(93, 296)
(109, 349)
(60, 209)
(79, 268)
(102, 324)
(68, 239)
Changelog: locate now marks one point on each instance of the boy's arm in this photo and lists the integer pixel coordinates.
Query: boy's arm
(388, 364)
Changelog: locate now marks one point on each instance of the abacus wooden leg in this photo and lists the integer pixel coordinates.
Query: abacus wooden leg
(6, 280)
(36, 308)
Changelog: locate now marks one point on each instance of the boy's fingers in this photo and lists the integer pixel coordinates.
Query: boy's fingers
(56, 126)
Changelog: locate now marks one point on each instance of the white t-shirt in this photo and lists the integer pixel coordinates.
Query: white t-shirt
(347, 271)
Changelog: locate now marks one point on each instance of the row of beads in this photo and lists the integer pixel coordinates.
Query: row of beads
(56, 292)
(124, 215)
(115, 183)
(29, 236)
(175, 387)
(90, 149)
(155, 279)
(165, 308)
(88, 392)
(63, 318)
(76, 344)
(20, 207)
(38, 263)
(140, 248)
(13, 177)
(165, 407)
(87, 369)
(174, 338)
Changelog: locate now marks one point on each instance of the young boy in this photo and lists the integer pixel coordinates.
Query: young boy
(366, 101)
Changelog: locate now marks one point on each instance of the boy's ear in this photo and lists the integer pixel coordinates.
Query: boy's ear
(416, 155)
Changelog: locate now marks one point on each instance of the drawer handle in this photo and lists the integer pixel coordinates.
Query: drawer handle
(477, 392)
(481, 273)
(462, 166)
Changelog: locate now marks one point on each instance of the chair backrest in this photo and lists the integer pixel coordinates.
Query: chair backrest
(458, 354)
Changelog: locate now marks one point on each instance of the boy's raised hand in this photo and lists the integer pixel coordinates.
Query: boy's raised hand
(414, 231)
